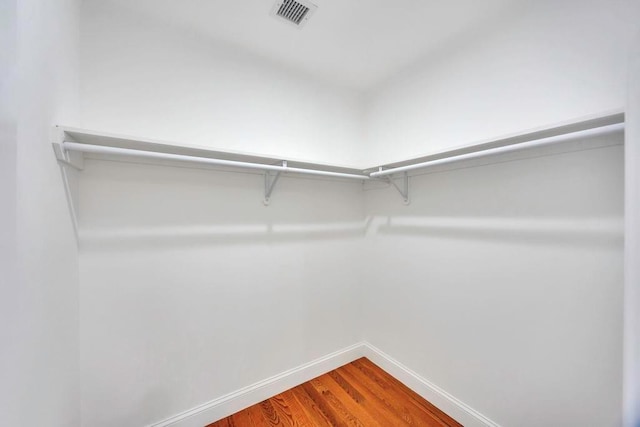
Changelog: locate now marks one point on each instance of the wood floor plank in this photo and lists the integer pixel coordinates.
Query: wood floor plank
(330, 414)
(357, 406)
(397, 409)
(349, 418)
(283, 410)
(241, 419)
(270, 414)
(412, 394)
(358, 394)
(255, 414)
(400, 390)
(300, 419)
(316, 416)
(369, 403)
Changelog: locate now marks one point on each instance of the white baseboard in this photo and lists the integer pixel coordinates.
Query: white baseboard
(233, 402)
(452, 406)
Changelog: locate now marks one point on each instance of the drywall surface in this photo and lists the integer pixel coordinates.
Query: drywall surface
(147, 78)
(547, 62)
(501, 283)
(39, 300)
(9, 331)
(632, 246)
(192, 289)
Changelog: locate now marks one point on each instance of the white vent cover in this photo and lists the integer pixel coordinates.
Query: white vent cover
(295, 12)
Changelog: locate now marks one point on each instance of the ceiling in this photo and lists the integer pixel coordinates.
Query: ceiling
(354, 43)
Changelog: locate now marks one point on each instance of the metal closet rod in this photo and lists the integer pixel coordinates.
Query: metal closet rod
(100, 149)
(506, 149)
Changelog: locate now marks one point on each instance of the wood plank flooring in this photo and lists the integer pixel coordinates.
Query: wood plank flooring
(356, 394)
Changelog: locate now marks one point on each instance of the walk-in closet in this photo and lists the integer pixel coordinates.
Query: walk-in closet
(320, 213)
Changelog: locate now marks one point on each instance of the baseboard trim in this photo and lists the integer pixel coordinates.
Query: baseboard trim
(231, 403)
(452, 406)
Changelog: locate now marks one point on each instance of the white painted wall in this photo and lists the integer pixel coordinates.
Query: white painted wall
(455, 256)
(148, 78)
(199, 290)
(501, 283)
(632, 245)
(39, 294)
(191, 288)
(10, 354)
(547, 62)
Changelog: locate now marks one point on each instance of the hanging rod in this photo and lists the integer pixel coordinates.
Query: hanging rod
(100, 149)
(506, 149)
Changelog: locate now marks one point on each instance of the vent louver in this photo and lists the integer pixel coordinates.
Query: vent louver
(295, 12)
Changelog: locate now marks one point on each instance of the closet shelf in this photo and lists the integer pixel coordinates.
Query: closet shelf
(73, 140)
(71, 144)
(99, 143)
(589, 126)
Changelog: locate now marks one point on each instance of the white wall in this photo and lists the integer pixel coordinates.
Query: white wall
(502, 283)
(632, 246)
(40, 381)
(502, 278)
(10, 353)
(191, 288)
(147, 78)
(550, 61)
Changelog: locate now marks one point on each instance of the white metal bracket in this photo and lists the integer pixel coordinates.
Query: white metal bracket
(270, 180)
(404, 190)
(66, 160)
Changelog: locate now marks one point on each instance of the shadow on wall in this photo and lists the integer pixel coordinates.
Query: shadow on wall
(142, 237)
(529, 231)
(565, 195)
(505, 282)
(128, 205)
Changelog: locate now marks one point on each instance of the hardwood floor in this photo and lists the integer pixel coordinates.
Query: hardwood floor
(357, 394)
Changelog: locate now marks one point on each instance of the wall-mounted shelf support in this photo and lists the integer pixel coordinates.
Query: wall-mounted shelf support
(68, 160)
(65, 158)
(593, 127)
(270, 180)
(70, 145)
(404, 190)
(483, 152)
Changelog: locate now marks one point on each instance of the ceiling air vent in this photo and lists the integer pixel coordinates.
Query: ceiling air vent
(295, 12)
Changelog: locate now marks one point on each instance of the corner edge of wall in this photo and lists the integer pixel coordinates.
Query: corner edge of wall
(233, 402)
(452, 406)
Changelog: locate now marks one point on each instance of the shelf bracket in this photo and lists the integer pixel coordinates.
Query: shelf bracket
(65, 160)
(404, 190)
(270, 180)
